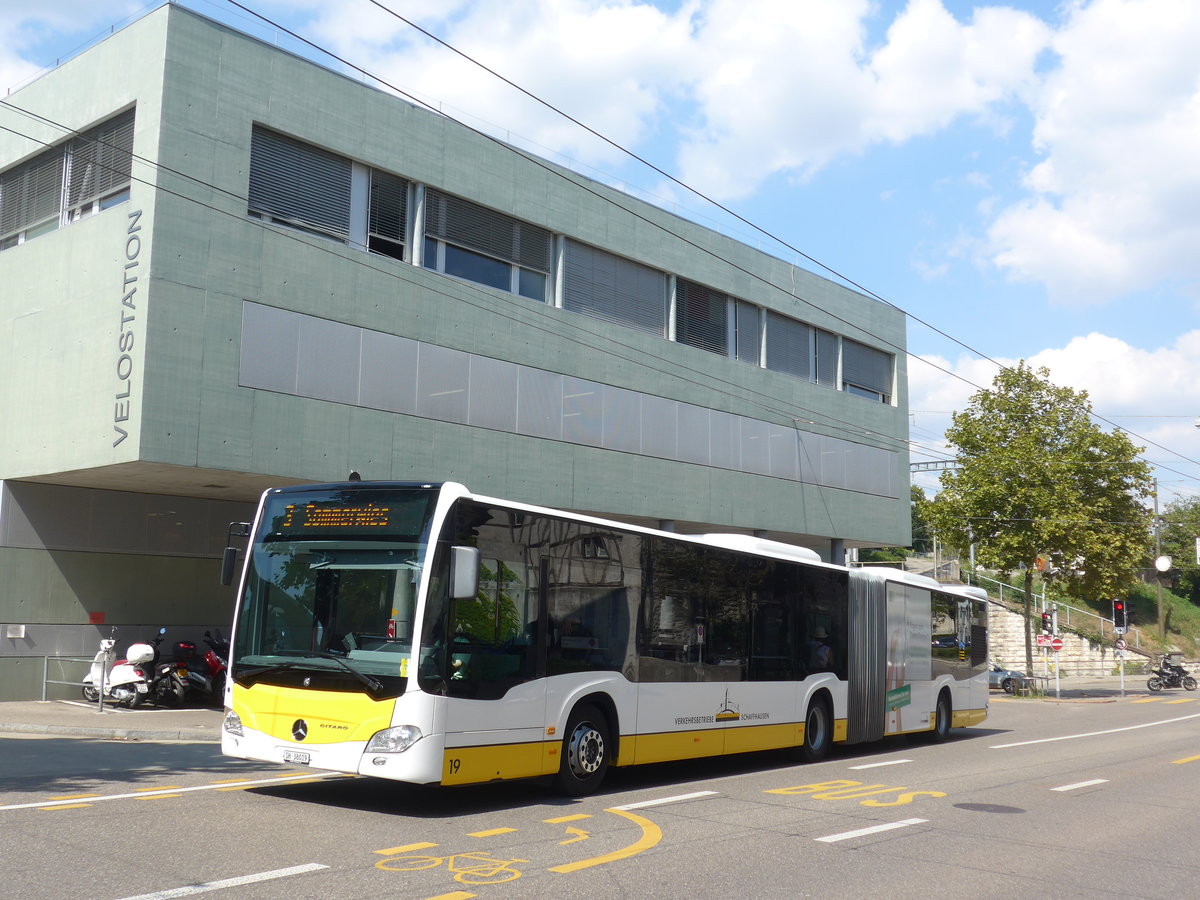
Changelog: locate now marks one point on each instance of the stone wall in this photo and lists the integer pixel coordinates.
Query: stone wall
(1079, 656)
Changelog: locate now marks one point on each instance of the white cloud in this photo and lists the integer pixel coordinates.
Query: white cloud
(1152, 394)
(1111, 205)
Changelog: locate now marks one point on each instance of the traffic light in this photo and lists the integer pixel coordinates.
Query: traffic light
(1047, 625)
(1119, 620)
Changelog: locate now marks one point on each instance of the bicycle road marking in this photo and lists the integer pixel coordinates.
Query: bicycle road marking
(238, 881)
(1071, 737)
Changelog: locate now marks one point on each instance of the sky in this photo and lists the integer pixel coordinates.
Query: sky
(1023, 180)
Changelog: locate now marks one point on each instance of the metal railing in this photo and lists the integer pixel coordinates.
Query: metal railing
(1068, 616)
(59, 666)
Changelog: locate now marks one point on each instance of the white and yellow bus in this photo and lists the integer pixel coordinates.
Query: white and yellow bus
(422, 633)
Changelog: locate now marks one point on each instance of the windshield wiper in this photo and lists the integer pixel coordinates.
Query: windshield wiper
(373, 684)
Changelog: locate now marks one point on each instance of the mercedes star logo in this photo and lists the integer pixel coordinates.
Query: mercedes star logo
(299, 729)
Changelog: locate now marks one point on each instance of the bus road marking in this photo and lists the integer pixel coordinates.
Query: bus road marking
(863, 832)
(876, 765)
(239, 881)
(856, 790)
(1081, 784)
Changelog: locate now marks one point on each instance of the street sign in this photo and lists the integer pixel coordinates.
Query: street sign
(1056, 644)
(1121, 645)
(1043, 640)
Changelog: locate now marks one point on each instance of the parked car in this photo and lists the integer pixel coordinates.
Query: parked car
(1006, 680)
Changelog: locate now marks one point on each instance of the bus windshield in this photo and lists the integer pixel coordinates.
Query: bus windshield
(331, 589)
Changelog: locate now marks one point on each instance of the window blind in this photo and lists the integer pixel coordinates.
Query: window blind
(299, 184)
(476, 227)
(866, 367)
(615, 289)
(700, 317)
(101, 161)
(788, 346)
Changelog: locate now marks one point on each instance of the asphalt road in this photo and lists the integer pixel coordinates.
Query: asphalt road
(1047, 799)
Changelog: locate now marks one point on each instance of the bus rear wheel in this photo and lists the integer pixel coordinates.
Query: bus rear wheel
(942, 717)
(818, 732)
(584, 754)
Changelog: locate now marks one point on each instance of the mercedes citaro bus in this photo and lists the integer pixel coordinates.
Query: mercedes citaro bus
(422, 633)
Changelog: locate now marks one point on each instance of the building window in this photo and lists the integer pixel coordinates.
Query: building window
(866, 371)
(789, 346)
(487, 247)
(614, 289)
(827, 358)
(387, 225)
(701, 317)
(747, 326)
(299, 185)
(67, 182)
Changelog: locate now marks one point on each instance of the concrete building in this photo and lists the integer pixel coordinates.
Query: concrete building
(224, 267)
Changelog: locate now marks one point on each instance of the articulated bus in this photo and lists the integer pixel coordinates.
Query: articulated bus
(421, 633)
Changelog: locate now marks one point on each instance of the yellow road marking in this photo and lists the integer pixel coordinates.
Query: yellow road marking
(651, 835)
(1148, 700)
(457, 895)
(561, 819)
(492, 833)
(405, 849)
(580, 835)
(68, 806)
(73, 797)
(231, 781)
(1186, 759)
(1184, 700)
(165, 787)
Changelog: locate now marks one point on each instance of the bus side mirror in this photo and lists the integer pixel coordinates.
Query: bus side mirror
(464, 572)
(228, 564)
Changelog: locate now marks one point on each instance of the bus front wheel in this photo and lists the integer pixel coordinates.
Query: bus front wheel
(585, 752)
(818, 732)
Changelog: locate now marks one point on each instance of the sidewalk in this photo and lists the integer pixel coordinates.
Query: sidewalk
(1098, 687)
(72, 718)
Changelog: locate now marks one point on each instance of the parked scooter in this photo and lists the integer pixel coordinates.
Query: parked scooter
(1170, 675)
(125, 681)
(202, 677)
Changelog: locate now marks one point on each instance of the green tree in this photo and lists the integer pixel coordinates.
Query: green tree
(922, 537)
(1180, 529)
(1040, 485)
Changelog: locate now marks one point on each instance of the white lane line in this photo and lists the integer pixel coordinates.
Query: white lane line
(889, 762)
(228, 785)
(1081, 784)
(862, 832)
(1071, 737)
(227, 883)
(663, 800)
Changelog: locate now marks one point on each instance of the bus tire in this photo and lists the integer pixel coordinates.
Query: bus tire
(818, 732)
(943, 716)
(585, 752)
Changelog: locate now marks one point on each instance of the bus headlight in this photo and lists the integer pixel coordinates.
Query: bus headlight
(394, 740)
(233, 723)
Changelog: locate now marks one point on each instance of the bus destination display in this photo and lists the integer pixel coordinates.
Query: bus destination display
(333, 518)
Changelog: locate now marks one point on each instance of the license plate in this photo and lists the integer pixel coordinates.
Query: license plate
(298, 757)
(142, 687)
